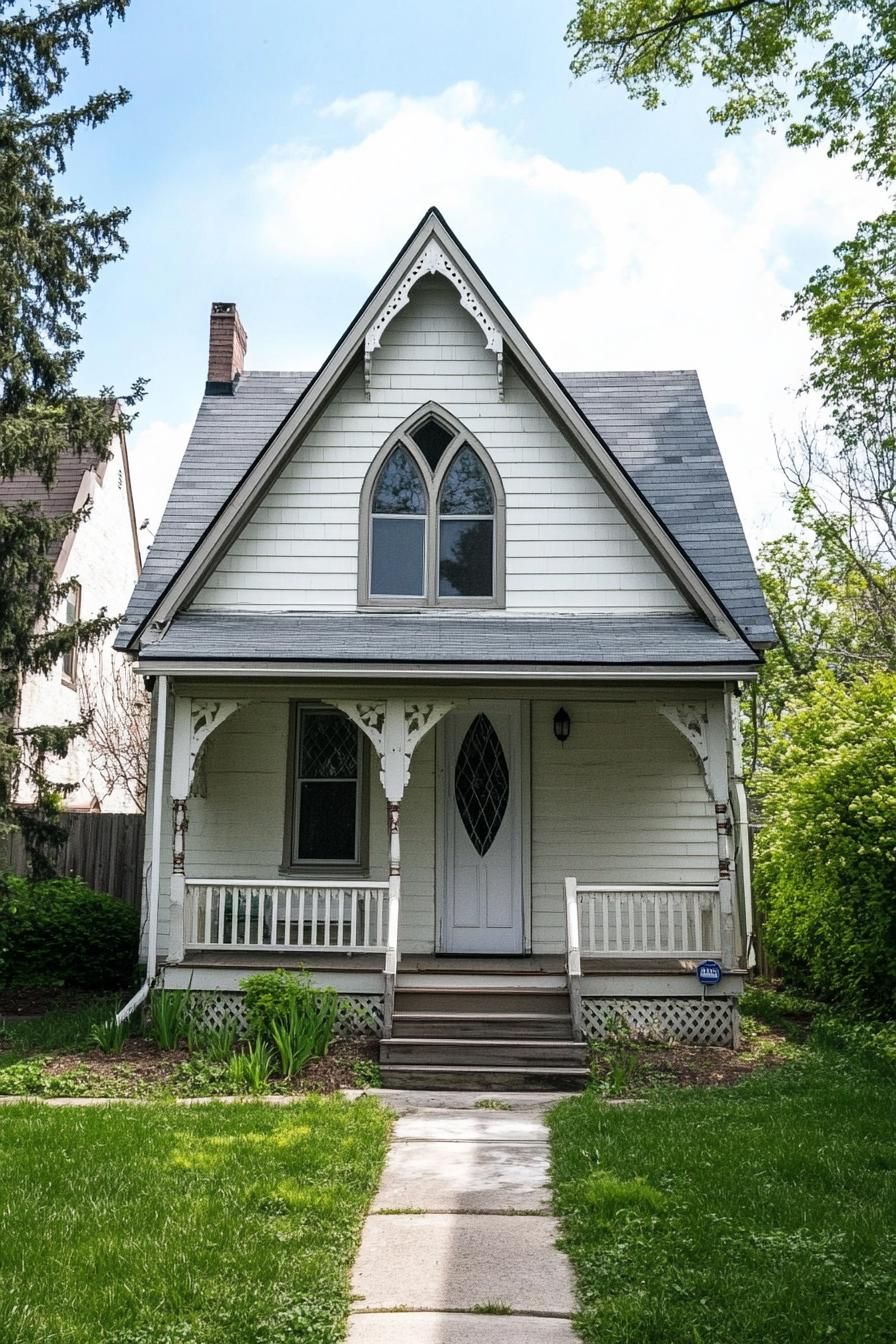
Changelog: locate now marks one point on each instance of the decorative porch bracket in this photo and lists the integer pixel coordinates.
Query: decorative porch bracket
(194, 722)
(704, 729)
(396, 728)
(432, 260)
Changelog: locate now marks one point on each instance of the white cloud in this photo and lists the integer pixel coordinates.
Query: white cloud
(604, 271)
(154, 454)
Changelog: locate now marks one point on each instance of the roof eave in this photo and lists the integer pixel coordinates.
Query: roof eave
(310, 670)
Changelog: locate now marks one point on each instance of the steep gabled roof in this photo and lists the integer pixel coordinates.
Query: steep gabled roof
(656, 424)
(638, 432)
(62, 496)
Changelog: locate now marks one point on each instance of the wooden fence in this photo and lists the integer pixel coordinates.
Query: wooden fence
(105, 849)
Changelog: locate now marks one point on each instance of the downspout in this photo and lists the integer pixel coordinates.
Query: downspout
(155, 859)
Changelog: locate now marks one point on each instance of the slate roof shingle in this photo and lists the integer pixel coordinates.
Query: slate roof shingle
(422, 639)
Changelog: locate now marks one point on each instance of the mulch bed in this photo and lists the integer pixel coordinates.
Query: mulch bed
(143, 1063)
(142, 1059)
(678, 1065)
(335, 1070)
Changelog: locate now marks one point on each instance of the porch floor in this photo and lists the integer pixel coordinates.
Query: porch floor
(423, 963)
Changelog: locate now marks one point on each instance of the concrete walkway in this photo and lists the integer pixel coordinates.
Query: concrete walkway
(459, 1246)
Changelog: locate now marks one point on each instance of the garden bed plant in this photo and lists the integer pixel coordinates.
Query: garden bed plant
(290, 1043)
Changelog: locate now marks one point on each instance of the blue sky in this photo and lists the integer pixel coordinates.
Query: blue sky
(279, 155)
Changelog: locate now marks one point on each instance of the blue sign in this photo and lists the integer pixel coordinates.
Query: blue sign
(709, 972)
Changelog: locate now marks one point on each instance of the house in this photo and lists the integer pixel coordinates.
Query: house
(446, 650)
(102, 559)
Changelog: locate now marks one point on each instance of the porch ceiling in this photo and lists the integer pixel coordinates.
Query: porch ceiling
(431, 639)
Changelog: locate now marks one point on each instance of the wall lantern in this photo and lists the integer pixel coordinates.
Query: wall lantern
(561, 725)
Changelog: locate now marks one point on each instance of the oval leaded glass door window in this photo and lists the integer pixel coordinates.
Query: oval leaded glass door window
(481, 783)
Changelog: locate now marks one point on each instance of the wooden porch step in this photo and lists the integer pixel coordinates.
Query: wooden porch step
(491, 1026)
(481, 999)
(468, 1078)
(483, 1054)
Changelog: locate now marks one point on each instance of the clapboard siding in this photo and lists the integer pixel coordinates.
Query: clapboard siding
(568, 547)
(622, 801)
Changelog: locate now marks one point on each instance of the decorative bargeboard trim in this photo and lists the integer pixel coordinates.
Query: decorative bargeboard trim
(433, 261)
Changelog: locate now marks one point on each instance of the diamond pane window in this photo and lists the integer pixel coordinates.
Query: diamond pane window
(481, 783)
(326, 825)
(329, 746)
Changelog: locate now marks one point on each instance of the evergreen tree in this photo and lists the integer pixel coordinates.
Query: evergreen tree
(52, 248)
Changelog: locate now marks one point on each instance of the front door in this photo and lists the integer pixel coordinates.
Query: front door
(481, 905)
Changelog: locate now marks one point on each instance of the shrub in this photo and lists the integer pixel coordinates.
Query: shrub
(291, 1016)
(826, 854)
(269, 997)
(60, 933)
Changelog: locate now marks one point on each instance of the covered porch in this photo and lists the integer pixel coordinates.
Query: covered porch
(585, 834)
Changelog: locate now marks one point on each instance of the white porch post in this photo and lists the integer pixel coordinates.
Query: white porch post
(180, 788)
(194, 721)
(705, 728)
(741, 817)
(395, 727)
(155, 826)
(717, 782)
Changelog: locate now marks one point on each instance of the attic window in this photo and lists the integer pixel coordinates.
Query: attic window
(433, 521)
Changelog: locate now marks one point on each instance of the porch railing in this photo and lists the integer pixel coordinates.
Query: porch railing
(647, 921)
(286, 916)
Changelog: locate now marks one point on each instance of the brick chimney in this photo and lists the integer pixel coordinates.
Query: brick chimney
(226, 349)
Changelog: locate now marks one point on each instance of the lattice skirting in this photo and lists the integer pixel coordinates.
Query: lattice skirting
(359, 1014)
(694, 1021)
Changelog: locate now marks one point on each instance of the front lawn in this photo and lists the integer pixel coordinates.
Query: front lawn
(163, 1224)
(765, 1211)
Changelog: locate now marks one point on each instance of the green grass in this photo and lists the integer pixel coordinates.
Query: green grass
(218, 1224)
(766, 1211)
(63, 1029)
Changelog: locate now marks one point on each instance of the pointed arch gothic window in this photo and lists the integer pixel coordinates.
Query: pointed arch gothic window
(433, 511)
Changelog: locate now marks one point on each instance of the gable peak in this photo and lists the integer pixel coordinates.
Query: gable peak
(434, 258)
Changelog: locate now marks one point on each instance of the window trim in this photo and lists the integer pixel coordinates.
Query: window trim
(432, 481)
(70, 677)
(318, 868)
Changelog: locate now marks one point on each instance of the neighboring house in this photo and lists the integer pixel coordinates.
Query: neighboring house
(447, 650)
(103, 557)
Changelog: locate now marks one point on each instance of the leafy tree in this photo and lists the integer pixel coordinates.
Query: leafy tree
(832, 609)
(779, 61)
(52, 248)
(826, 71)
(826, 855)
